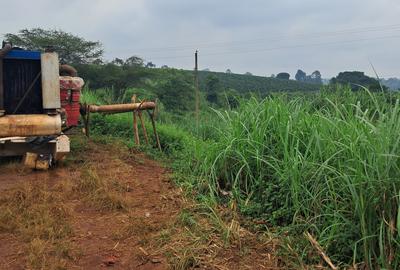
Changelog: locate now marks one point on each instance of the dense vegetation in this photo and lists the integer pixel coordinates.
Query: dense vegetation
(256, 84)
(174, 88)
(357, 80)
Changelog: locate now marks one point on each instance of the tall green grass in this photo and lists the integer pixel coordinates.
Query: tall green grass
(327, 163)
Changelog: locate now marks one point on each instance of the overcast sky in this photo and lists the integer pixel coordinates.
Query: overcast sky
(261, 37)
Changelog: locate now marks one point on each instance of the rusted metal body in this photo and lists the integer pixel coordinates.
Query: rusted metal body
(29, 125)
(37, 103)
(120, 108)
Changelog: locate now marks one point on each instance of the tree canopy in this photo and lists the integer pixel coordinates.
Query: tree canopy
(134, 61)
(300, 76)
(315, 77)
(70, 48)
(283, 76)
(357, 79)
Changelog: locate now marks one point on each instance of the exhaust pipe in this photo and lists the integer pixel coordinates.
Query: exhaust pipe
(29, 125)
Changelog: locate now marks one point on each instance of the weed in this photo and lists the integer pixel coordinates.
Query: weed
(136, 226)
(97, 193)
(164, 237)
(185, 218)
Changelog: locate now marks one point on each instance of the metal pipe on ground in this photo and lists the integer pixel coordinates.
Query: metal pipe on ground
(134, 107)
(29, 125)
(120, 108)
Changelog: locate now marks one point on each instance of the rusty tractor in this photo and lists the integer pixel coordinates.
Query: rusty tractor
(40, 101)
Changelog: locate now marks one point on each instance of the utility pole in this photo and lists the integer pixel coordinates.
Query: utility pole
(196, 86)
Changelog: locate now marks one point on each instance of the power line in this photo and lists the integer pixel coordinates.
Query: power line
(394, 27)
(282, 47)
(307, 45)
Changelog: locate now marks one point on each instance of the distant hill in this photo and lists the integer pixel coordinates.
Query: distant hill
(121, 77)
(391, 83)
(257, 84)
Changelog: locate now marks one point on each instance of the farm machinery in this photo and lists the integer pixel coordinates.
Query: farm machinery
(40, 101)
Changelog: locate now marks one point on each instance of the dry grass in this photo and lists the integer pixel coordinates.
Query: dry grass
(136, 226)
(45, 255)
(99, 193)
(36, 215)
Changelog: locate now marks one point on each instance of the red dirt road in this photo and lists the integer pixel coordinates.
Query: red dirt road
(110, 207)
(102, 238)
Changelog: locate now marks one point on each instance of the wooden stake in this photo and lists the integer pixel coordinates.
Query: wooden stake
(154, 129)
(146, 138)
(87, 122)
(135, 125)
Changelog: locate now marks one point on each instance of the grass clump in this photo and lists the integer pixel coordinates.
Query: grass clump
(98, 193)
(186, 218)
(34, 212)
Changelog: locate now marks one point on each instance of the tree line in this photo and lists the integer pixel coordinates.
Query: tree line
(120, 74)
